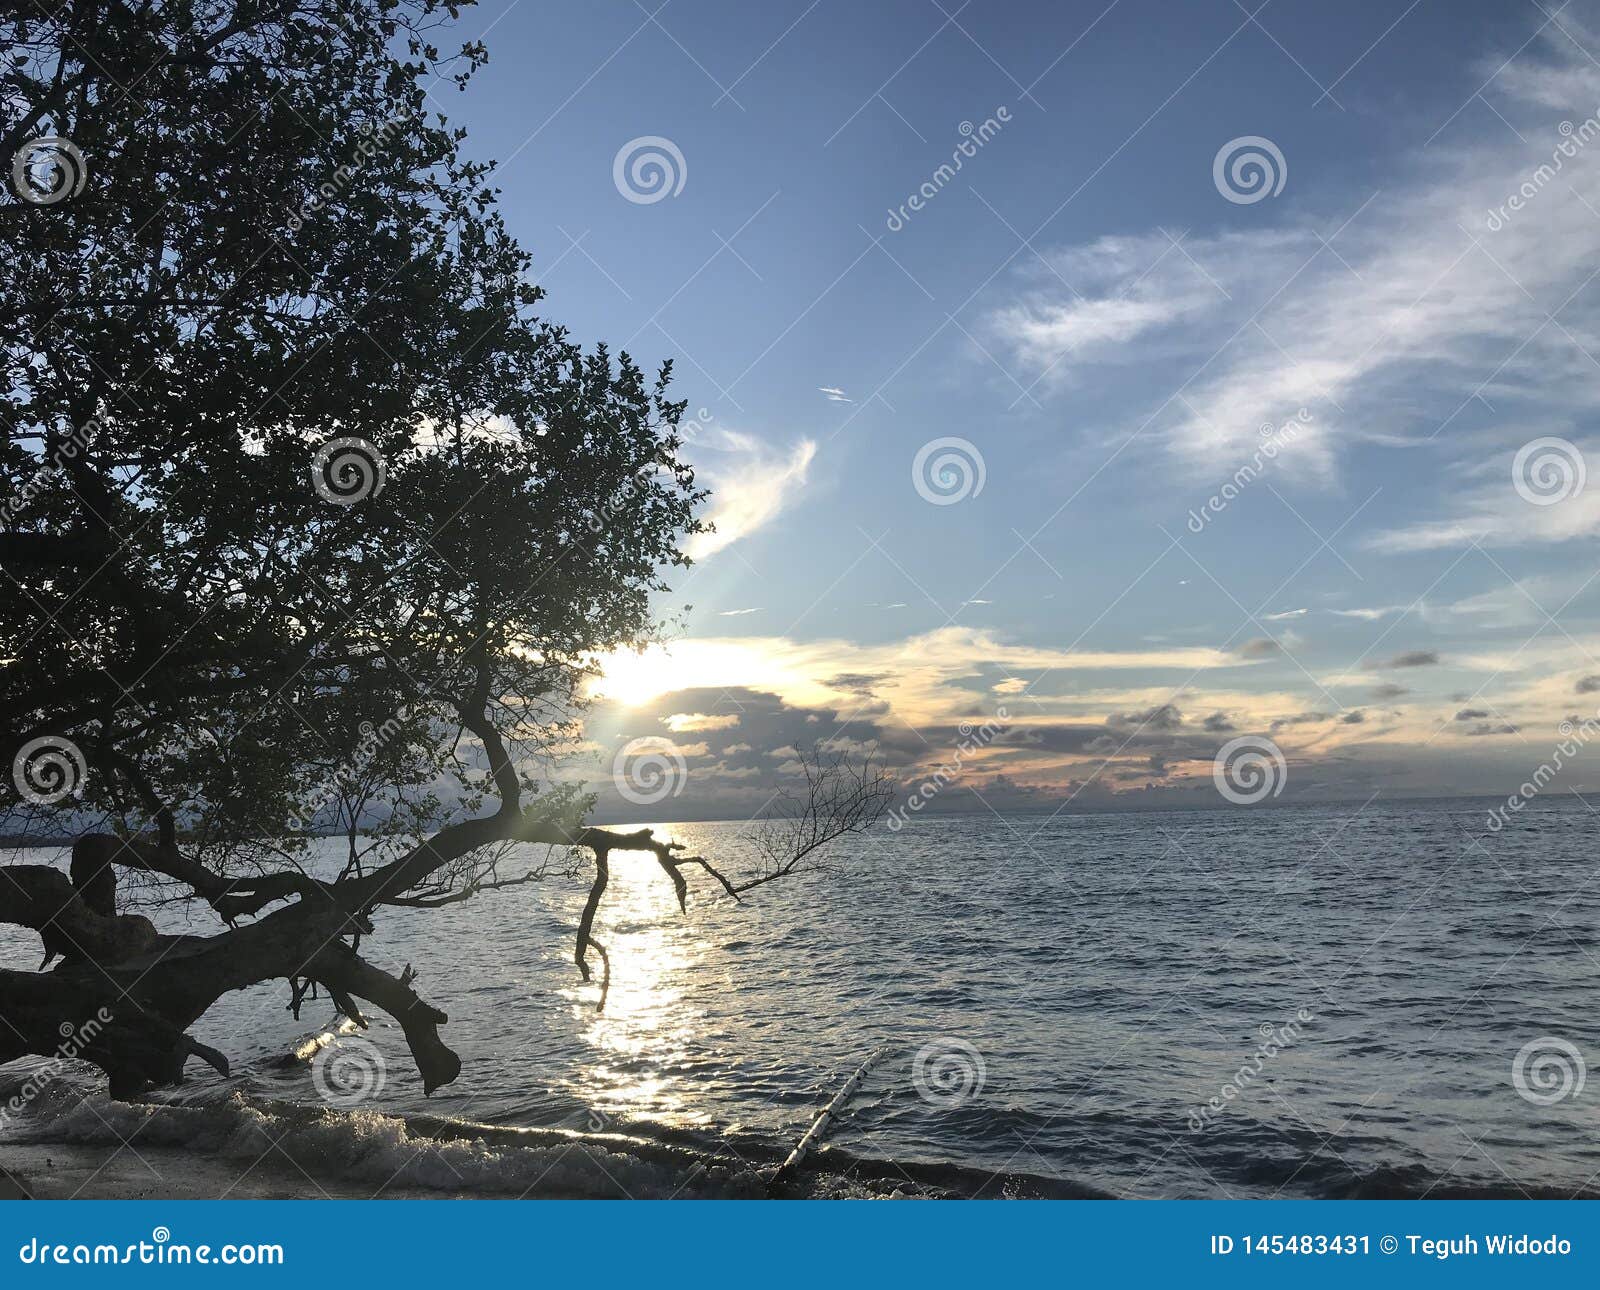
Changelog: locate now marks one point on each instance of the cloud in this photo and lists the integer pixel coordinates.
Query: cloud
(1163, 717)
(1286, 614)
(920, 674)
(1589, 684)
(1388, 690)
(695, 722)
(1398, 317)
(1413, 658)
(834, 394)
(750, 486)
(1368, 615)
(1302, 719)
(1096, 728)
(1054, 326)
(1260, 647)
(1496, 514)
(650, 745)
(737, 613)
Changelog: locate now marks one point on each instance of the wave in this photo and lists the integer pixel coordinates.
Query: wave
(444, 1156)
(391, 1153)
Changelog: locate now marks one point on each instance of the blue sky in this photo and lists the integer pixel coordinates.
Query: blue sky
(1108, 333)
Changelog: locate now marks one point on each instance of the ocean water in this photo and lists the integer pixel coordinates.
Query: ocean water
(1334, 1000)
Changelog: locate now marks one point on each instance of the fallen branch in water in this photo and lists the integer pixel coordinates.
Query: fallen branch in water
(824, 1119)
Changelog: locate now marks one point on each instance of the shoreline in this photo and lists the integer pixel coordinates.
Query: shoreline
(71, 1171)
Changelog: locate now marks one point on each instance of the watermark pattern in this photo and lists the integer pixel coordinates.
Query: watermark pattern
(1274, 439)
(1248, 169)
(1548, 470)
(74, 1039)
(1249, 769)
(972, 738)
(1274, 1039)
(1548, 1070)
(349, 1072)
(649, 169)
(374, 139)
(638, 485)
(74, 442)
(948, 470)
(649, 770)
(373, 738)
(1573, 738)
(48, 170)
(349, 470)
(948, 1072)
(973, 137)
(48, 770)
(1574, 138)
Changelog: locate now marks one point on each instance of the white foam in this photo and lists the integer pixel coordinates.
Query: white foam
(381, 1150)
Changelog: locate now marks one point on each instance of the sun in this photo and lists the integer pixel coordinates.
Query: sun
(635, 677)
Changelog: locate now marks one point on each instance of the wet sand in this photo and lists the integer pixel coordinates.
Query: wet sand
(56, 1172)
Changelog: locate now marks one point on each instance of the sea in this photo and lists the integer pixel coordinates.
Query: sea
(1389, 998)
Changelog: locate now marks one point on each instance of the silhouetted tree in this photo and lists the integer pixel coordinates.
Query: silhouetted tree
(309, 521)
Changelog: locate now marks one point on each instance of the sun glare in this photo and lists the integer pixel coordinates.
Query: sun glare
(634, 677)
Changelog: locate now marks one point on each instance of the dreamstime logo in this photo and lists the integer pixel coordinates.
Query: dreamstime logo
(349, 1072)
(1548, 1070)
(48, 770)
(1273, 441)
(1248, 769)
(1548, 470)
(1273, 1040)
(972, 739)
(649, 168)
(346, 471)
(947, 471)
(345, 780)
(1249, 168)
(948, 1072)
(75, 440)
(638, 487)
(1574, 738)
(649, 770)
(973, 137)
(74, 1039)
(1573, 140)
(48, 170)
(373, 140)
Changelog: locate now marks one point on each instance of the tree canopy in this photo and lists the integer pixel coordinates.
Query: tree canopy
(311, 521)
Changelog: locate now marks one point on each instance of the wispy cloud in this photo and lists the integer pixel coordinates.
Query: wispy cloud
(1495, 514)
(1400, 319)
(697, 722)
(751, 484)
(1370, 615)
